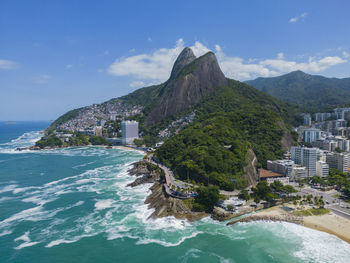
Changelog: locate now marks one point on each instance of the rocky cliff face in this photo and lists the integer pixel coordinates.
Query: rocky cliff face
(287, 139)
(190, 81)
(144, 174)
(168, 206)
(250, 172)
(185, 58)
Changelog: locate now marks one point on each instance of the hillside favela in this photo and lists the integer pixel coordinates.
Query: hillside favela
(187, 131)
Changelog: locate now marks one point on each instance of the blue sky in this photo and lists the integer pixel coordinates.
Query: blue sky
(60, 55)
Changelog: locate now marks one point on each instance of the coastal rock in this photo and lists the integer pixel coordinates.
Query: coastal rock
(168, 206)
(285, 218)
(144, 173)
(221, 214)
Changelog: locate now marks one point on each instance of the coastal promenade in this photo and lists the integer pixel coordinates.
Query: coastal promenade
(169, 180)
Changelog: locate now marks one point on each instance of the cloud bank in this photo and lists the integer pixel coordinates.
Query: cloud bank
(155, 67)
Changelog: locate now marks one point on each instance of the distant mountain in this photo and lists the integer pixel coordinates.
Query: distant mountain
(213, 127)
(306, 90)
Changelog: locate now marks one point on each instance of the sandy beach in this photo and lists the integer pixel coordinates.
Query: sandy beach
(330, 223)
(128, 148)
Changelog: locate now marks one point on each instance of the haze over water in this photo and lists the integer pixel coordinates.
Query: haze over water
(72, 205)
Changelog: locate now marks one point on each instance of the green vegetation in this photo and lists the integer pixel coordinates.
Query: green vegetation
(244, 195)
(112, 128)
(271, 192)
(336, 178)
(306, 90)
(207, 198)
(98, 140)
(77, 139)
(311, 212)
(51, 141)
(138, 142)
(65, 117)
(214, 148)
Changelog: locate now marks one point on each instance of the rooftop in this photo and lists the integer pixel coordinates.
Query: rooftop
(267, 174)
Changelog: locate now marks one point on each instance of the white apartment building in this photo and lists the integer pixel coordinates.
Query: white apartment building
(130, 131)
(322, 169)
(306, 157)
(311, 135)
(299, 172)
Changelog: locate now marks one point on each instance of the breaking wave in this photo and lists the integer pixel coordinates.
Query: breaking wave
(27, 139)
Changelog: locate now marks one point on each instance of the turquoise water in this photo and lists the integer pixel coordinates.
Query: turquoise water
(72, 205)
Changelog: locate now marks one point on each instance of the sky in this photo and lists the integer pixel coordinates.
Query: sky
(59, 55)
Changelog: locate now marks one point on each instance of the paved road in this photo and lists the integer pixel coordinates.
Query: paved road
(333, 203)
(168, 178)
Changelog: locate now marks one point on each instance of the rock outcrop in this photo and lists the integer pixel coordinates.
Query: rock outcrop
(168, 206)
(162, 204)
(285, 218)
(144, 174)
(287, 139)
(191, 80)
(250, 172)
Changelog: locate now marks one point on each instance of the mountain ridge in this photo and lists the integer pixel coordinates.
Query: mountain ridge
(314, 91)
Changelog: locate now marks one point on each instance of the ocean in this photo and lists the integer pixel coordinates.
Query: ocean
(73, 205)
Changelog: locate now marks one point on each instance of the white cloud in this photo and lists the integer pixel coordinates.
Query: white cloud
(42, 79)
(137, 84)
(312, 65)
(7, 64)
(155, 67)
(297, 18)
(69, 66)
(346, 54)
(100, 70)
(149, 39)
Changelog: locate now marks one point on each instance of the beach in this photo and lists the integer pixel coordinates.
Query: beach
(329, 223)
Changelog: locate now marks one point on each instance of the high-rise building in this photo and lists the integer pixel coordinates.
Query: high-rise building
(340, 161)
(130, 131)
(311, 135)
(307, 120)
(306, 157)
(322, 169)
(322, 116)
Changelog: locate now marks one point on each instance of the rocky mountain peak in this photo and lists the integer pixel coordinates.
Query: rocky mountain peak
(186, 57)
(191, 80)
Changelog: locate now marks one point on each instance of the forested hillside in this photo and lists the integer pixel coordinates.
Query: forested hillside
(307, 90)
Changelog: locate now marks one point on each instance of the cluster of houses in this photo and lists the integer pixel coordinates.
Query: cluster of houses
(88, 118)
(177, 125)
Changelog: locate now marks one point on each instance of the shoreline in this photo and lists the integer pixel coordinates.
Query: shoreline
(167, 206)
(329, 223)
(119, 147)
